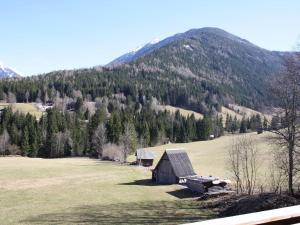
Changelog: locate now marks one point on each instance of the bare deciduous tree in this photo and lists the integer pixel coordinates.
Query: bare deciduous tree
(63, 141)
(277, 171)
(244, 164)
(27, 96)
(58, 145)
(286, 90)
(113, 152)
(99, 139)
(234, 165)
(11, 98)
(4, 142)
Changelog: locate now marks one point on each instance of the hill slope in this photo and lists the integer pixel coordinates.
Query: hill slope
(216, 56)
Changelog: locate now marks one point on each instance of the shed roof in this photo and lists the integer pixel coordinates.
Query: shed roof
(180, 162)
(144, 154)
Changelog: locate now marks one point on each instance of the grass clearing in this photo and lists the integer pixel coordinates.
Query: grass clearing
(88, 191)
(183, 112)
(241, 111)
(23, 108)
(234, 110)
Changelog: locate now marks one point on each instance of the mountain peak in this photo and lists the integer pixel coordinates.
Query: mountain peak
(198, 34)
(7, 72)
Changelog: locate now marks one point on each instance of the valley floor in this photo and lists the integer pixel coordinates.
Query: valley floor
(88, 191)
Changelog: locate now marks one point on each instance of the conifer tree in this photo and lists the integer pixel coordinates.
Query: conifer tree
(265, 123)
(114, 128)
(25, 146)
(243, 126)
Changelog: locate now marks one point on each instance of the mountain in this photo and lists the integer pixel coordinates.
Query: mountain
(195, 41)
(200, 70)
(6, 72)
(213, 55)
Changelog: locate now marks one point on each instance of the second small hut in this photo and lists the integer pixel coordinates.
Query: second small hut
(144, 157)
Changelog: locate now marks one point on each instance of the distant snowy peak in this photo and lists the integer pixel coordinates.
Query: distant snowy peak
(135, 53)
(7, 72)
(154, 41)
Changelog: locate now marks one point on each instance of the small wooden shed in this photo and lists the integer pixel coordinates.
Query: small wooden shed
(173, 167)
(144, 157)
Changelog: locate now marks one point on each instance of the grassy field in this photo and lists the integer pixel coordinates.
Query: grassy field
(23, 108)
(87, 191)
(241, 111)
(235, 110)
(183, 112)
(210, 157)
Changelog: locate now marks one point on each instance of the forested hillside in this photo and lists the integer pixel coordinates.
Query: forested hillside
(137, 86)
(239, 68)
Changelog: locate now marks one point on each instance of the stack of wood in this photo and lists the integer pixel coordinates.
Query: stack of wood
(208, 184)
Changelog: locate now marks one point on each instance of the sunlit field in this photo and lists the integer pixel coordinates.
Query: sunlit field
(89, 191)
(23, 108)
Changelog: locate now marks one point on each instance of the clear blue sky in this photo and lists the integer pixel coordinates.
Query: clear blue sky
(42, 35)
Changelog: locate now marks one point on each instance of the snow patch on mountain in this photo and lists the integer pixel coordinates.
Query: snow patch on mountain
(154, 41)
(188, 47)
(137, 48)
(7, 72)
(136, 53)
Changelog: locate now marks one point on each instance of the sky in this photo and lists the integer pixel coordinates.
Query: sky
(41, 36)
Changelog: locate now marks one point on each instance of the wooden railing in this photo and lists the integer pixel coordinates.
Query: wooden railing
(287, 215)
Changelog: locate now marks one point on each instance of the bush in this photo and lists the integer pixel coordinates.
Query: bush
(112, 152)
(12, 150)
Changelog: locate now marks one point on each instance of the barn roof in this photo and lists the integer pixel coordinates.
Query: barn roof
(144, 154)
(180, 162)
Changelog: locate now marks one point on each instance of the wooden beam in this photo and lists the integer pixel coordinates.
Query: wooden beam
(287, 215)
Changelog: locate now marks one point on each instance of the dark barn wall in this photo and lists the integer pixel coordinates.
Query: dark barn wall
(165, 173)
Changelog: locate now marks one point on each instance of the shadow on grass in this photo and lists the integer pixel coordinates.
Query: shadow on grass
(142, 182)
(183, 193)
(155, 212)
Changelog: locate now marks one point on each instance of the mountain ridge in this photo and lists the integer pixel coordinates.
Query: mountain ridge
(150, 47)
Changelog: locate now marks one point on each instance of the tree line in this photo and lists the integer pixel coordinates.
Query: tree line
(78, 133)
(253, 123)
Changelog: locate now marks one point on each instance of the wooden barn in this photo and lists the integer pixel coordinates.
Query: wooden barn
(173, 167)
(144, 157)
